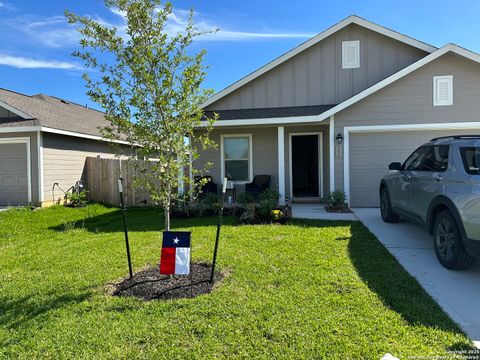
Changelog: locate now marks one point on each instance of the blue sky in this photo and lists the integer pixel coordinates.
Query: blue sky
(36, 42)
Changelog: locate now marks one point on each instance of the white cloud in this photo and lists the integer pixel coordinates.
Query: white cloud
(7, 6)
(55, 32)
(27, 63)
(179, 19)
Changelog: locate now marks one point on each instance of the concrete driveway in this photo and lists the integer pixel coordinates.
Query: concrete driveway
(457, 292)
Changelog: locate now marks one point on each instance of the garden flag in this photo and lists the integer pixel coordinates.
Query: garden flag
(175, 258)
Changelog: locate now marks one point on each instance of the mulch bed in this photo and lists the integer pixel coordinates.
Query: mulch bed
(337, 209)
(148, 284)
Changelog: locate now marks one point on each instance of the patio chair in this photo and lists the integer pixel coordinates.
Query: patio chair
(259, 183)
(209, 186)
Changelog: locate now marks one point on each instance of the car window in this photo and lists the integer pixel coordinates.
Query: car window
(414, 160)
(435, 158)
(471, 159)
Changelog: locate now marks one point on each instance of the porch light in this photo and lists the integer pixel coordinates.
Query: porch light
(339, 138)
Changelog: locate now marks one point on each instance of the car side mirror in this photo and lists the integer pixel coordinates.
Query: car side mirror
(395, 166)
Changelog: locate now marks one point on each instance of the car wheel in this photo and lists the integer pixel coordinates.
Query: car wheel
(448, 243)
(386, 208)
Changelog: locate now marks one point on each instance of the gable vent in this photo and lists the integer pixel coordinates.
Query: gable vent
(442, 90)
(350, 54)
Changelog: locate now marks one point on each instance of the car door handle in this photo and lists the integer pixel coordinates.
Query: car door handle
(437, 177)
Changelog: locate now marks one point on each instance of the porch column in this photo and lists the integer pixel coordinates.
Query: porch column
(281, 164)
(332, 152)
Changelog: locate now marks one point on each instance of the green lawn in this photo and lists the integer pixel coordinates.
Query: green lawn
(310, 289)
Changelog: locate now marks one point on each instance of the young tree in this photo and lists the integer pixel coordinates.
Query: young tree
(149, 85)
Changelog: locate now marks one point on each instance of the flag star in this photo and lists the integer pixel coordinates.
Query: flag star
(176, 240)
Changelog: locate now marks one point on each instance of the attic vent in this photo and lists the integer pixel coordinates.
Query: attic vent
(350, 54)
(64, 101)
(442, 90)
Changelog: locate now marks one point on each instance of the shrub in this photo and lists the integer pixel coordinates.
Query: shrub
(336, 198)
(249, 215)
(245, 198)
(75, 199)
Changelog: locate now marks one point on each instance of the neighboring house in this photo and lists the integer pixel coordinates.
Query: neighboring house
(45, 140)
(332, 113)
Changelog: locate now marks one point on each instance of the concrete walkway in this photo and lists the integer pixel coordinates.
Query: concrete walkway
(457, 292)
(317, 211)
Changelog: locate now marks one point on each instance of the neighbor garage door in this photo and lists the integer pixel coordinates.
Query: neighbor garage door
(13, 174)
(370, 154)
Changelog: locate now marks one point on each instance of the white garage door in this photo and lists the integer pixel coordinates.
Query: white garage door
(370, 154)
(13, 174)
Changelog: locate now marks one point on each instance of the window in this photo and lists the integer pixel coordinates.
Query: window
(442, 90)
(237, 157)
(471, 159)
(435, 159)
(415, 160)
(350, 54)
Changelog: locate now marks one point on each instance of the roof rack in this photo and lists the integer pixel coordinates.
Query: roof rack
(456, 137)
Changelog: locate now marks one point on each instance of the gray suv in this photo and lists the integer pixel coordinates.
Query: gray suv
(438, 187)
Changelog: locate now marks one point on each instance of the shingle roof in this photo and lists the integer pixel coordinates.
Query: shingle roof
(52, 112)
(263, 113)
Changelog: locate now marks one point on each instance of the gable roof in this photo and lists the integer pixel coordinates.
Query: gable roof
(50, 112)
(449, 48)
(452, 48)
(353, 19)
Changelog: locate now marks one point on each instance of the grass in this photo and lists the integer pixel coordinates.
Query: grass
(310, 289)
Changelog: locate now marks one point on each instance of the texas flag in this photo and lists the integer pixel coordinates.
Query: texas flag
(175, 257)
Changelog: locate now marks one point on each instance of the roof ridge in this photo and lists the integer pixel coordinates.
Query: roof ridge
(16, 92)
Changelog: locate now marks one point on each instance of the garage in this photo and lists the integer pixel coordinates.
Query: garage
(14, 172)
(371, 152)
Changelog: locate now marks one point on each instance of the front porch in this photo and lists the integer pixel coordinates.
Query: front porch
(297, 157)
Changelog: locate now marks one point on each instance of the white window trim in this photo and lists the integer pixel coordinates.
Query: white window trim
(356, 45)
(250, 157)
(449, 78)
(388, 128)
(320, 160)
(26, 141)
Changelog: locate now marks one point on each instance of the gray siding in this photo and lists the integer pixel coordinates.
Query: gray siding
(315, 76)
(264, 147)
(410, 101)
(64, 161)
(265, 158)
(33, 158)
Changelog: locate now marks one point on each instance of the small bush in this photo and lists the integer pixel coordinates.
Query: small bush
(336, 198)
(245, 198)
(264, 210)
(74, 199)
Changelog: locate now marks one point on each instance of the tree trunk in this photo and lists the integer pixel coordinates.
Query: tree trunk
(167, 218)
(167, 210)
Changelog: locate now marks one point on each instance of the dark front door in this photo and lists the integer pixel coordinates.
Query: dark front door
(305, 166)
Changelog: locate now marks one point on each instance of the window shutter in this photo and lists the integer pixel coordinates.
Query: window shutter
(443, 90)
(350, 54)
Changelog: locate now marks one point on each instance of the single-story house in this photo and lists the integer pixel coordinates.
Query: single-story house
(45, 140)
(332, 113)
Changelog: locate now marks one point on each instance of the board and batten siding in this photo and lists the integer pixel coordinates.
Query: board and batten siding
(33, 159)
(64, 160)
(264, 156)
(315, 76)
(410, 101)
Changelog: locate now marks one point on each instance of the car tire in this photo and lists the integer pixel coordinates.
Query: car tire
(386, 207)
(448, 243)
